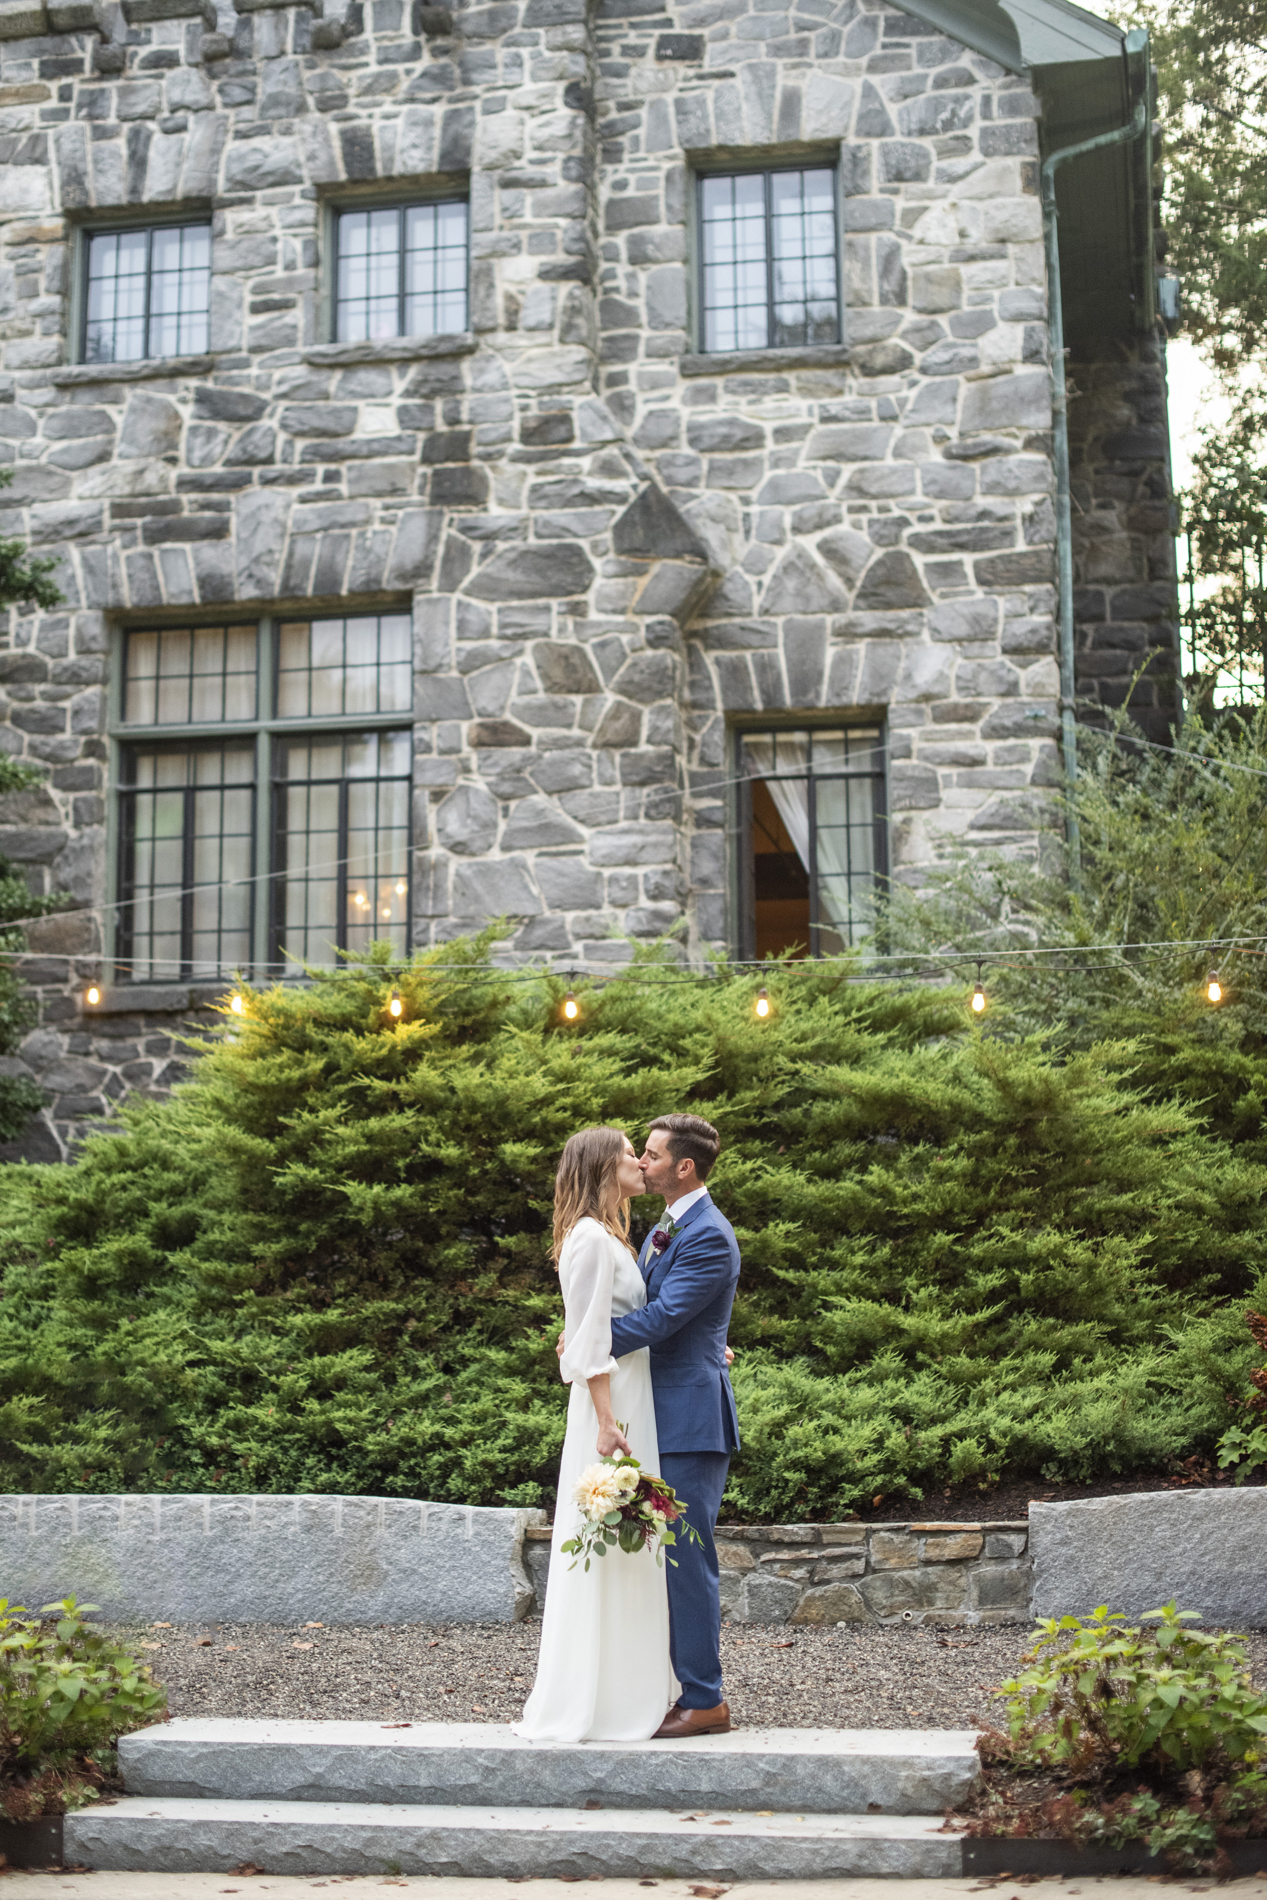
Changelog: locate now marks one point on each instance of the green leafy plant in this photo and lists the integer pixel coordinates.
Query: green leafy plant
(1240, 1450)
(1122, 1733)
(1098, 1692)
(67, 1693)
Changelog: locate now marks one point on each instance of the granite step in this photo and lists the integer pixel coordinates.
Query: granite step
(169, 1835)
(799, 1771)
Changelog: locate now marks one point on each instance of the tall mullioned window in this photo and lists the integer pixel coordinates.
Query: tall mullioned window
(813, 834)
(400, 271)
(769, 266)
(148, 293)
(263, 780)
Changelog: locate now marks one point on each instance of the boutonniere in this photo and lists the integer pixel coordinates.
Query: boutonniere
(667, 1231)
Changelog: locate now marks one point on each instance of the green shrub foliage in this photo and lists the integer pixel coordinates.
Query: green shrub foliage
(67, 1693)
(1121, 1734)
(322, 1266)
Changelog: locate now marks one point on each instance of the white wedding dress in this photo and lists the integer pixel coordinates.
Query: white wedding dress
(603, 1671)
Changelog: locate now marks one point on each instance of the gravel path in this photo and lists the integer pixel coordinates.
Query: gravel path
(777, 1677)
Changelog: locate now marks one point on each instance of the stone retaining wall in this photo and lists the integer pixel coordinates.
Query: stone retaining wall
(269, 1559)
(902, 1572)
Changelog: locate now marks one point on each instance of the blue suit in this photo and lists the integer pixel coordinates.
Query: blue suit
(690, 1291)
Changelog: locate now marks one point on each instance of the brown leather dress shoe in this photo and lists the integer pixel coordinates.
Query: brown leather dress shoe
(680, 1724)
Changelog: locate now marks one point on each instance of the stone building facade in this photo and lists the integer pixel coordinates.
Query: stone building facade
(621, 553)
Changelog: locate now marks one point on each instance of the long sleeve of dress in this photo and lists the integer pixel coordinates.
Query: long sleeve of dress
(587, 1271)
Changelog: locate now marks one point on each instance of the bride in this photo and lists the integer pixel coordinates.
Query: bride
(603, 1670)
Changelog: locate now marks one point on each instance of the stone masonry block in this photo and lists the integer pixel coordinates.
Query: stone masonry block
(1136, 1552)
(269, 1559)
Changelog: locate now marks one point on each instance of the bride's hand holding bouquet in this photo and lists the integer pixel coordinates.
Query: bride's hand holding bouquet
(624, 1507)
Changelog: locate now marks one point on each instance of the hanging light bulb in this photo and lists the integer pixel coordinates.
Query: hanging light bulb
(978, 995)
(237, 1005)
(1213, 988)
(571, 1008)
(401, 889)
(761, 1008)
(92, 995)
(395, 1006)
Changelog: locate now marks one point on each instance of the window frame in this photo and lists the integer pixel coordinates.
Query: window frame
(742, 880)
(113, 225)
(265, 729)
(735, 166)
(443, 188)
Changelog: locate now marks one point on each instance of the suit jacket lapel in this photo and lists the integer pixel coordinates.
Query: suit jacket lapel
(646, 1258)
(661, 1259)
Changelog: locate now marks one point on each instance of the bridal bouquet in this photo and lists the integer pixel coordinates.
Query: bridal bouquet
(624, 1507)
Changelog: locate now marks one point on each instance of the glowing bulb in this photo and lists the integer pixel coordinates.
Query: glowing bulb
(387, 910)
(237, 1005)
(761, 1007)
(401, 889)
(395, 1007)
(571, 1008)
(978, 999)
(1213, 988)
(92, 995)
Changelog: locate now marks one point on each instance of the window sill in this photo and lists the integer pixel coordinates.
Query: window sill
(135, 372)
(725, 362)
(156, 999)
(395, 349)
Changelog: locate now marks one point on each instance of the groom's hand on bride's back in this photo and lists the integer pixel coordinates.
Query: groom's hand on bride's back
(560, 1345)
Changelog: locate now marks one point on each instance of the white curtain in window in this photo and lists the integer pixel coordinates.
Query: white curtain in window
(791, 801)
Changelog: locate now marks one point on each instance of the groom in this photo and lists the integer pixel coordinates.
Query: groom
(691, 1266)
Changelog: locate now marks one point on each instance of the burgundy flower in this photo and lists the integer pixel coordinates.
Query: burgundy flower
(659, 1240)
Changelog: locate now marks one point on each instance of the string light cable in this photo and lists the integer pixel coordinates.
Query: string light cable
(857, 969)
(707, 785)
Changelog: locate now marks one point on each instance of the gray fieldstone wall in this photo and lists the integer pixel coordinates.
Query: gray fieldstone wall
(952, 1574)
(614, 546)
(1125, 601)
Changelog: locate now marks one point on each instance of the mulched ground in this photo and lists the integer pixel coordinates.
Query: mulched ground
(776, 1677)
(968, 1503)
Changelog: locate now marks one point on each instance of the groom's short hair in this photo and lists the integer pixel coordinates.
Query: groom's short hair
(691, 1138)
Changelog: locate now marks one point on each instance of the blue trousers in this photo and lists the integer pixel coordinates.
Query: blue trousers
(698, 1477)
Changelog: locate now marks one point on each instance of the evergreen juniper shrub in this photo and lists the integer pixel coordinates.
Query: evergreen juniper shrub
(322, 1264)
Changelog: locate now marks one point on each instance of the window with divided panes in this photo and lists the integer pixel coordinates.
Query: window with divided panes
(147, 293)
(813, 837)
(769, 269)
(400, 270)
(263, 780)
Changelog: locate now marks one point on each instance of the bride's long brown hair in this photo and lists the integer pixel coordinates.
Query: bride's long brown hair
(583, 1184)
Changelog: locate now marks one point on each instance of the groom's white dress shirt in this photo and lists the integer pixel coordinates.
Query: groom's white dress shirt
(679, 1207)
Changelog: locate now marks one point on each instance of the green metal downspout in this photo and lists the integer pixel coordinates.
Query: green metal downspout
(1136, 42)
